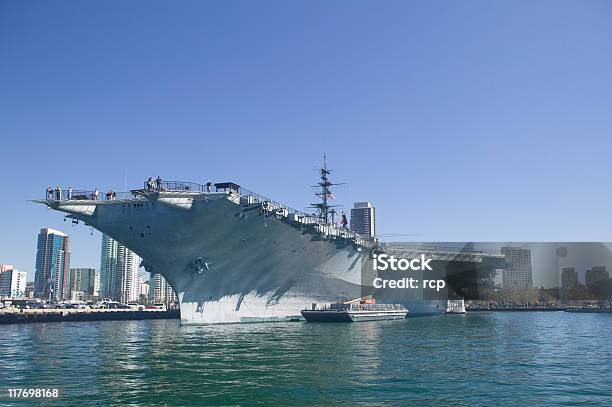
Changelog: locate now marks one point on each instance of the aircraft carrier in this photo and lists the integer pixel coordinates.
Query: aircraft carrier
(232, 255)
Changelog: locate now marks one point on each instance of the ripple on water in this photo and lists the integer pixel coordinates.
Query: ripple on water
(478, 359)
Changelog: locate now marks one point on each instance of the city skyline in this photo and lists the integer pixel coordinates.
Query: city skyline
(544, 258)
(118, 278)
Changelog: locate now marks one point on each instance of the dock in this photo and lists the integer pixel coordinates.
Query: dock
(515, 309)
(14, 316)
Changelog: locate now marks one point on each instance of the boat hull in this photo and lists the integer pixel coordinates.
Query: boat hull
(350, 316)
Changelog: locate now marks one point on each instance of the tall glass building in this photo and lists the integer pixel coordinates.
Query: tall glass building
(161, 291)
(83, 280)
(363, 219)
(119, 272)
(517, 270)
(52, 265)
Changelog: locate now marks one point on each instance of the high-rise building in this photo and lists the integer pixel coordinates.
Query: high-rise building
(517, 270)
(29, 289)
(119, 277)
(498, 278)
(144, 289)
(569, 278)
(5, 267)
(13, 283)
(96, 292)
(363, 219)
(596, 274)
(52, 265)
(83, 280)
(161, 290)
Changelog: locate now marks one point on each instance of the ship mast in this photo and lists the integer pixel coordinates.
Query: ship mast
(326, 212)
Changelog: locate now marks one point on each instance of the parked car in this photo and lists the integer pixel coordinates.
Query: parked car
(156, 307)
(136, 307)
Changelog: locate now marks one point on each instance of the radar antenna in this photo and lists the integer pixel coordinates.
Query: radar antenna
(326, 212)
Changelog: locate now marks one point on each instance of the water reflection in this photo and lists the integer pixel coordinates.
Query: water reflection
(511, 358)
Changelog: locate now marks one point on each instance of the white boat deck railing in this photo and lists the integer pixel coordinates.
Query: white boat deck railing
(361, 307)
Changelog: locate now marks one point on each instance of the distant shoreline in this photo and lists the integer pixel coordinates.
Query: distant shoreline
(38, 315)
(541, 309)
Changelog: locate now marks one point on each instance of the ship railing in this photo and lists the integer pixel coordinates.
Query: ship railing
(426, 248)
(303, 217)
(89, 195)
(255, 198)
(174, 186)
(267, 204)
(376, 307)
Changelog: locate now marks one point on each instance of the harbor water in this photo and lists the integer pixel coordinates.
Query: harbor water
(488, 358)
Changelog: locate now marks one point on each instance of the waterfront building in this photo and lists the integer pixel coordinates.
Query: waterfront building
(119, 272)
(79, 296)
(83, 280)
(13, 283)
(498, 278)
(161, 290)
(517, 273)
(569, 278)
(144, 289)
(96, 292)
(29, 289)
(363, 219)
(52, 265)
(5, 267)
(596, 274)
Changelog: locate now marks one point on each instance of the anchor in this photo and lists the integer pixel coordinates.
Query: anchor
(199, 265)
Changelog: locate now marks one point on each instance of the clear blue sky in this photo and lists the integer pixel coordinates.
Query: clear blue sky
(460, 121)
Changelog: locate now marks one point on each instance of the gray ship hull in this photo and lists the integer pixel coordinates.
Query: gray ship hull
(227, 259)
(236, 258)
